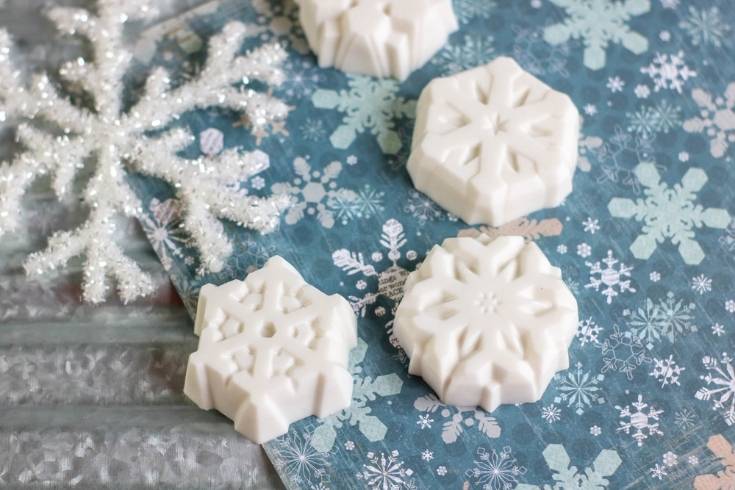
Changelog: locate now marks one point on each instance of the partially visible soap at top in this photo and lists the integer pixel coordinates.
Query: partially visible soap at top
(376, 37)
(272, 350)
(494, 143)
(486, 322)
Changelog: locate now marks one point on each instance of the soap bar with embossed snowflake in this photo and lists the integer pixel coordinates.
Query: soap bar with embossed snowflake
(486, 322)
(494, 143)
(272, 350)
(376, 37)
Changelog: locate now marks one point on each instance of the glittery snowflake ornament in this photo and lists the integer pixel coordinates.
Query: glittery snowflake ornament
(272, 350)
(486, 322)
(61, 138)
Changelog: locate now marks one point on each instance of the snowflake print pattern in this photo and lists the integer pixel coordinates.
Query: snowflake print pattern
(422, 208)
(685, 419)
(471, 52)
(716, 119)
(295, 455)
(610, 278)
(390, 279)
(551, 414)
(162, 227)
(668, 71)
(701, 284)
(579, 389)
(705, 26)
(470, 9)
(456, 419)
(660, 118)
(667, 318)
(495, 470)
(666, 371)
(641, 421)
(622, 352)
(598, 24)
(368, 105)
(669, 212)
(386, 472)
(315, 193)
(588, 331)
(720, 386)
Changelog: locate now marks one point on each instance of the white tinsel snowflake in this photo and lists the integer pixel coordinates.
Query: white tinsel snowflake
(61, 139)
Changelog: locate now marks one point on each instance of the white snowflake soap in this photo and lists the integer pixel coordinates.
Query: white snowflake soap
(376, 37)
(272, 350)
(494, 143)
(486, 322)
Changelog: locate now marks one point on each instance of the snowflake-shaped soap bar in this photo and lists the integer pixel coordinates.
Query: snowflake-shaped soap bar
(376, 37)
(272, 350)
(486, 322)
(494, 143)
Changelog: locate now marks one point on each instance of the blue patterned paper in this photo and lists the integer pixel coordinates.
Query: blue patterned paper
(645, 241)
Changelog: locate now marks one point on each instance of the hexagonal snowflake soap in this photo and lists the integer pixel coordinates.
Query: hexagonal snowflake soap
(272, 350)
(494, 143)
(486, 322)
(376, 37)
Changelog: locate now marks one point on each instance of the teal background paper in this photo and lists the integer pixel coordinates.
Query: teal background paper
(645, 241)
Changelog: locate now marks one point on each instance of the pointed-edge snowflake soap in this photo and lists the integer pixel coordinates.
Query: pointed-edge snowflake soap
(272, 350)
(486, 322)
(494, 143)
(376, 37)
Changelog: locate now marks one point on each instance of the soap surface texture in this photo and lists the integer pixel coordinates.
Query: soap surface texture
(494, 143)
(376, 37)
(486, 322)
(272, 350)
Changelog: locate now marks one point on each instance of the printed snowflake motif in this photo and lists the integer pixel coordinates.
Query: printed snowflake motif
(666, 371)
(620, 149)
(588, 331)
(390, 279)
(293, 454)
(610, 276)
(685, 418)
(591, 225)
(658, 471)
(495, 470)
(122, 143)
(667, 318)
(279, 19)
(701, 284)
(615, 84)
(313, 130)
(641, 420)
(705, 26)
(551, 414)
(365, 391)
(473, 51)
(669, 212)
(457, 419)
(427, 455)
(467, 10)
(660, 118)
(567, 477)
(720, 386)
(368, 105)
(579, 389)
(622, 352)
(724, 479)
(537, 56)
(386, 472)
(668, 71)
(598, 23)
(422, 208)
(716, 119)
(365, 203)
(315, 192)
